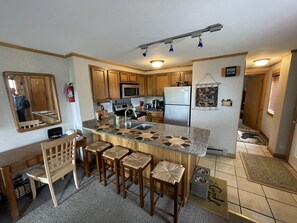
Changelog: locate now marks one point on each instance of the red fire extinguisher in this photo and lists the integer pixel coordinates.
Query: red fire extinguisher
(69, 92)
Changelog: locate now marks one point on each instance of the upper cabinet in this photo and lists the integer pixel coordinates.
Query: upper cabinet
(180, 76)
(113, 84)
(142, 85)
(150, 85)
(105, 84)
(161, 82)
(187, 76)
(128, 77)
(99, 83)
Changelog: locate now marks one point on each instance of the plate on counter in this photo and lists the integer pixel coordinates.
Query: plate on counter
(146, 135)
(176, 141)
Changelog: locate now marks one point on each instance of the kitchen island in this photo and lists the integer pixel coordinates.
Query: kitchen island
(178, 144)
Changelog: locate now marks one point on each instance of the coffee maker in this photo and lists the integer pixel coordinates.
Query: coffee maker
(154, 103)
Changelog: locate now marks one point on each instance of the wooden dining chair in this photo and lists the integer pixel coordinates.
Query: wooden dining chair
(29, 124)
(59, 159)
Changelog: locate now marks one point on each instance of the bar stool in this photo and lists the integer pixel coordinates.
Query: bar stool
(172, 175)
(137, 162)
(114, 155)
(96, 149)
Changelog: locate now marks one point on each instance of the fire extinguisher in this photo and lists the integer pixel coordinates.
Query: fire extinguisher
(69, 92)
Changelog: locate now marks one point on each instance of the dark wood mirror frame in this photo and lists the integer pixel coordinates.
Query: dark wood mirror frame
(40, 91)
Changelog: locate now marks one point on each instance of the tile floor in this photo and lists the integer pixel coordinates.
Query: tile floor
(256, 201)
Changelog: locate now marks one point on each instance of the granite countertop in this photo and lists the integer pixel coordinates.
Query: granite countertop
(199, 137)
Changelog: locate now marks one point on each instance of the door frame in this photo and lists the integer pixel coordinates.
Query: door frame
(291, 133)
(251, 72)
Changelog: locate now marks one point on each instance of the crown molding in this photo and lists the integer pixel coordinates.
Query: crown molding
(220, 57)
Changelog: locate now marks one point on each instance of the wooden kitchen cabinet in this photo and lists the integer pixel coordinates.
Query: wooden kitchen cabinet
(113, 84)
(150, 85)
(99, 83)
(155, 117)
(161, 82)
(180, 76)
(128, 77)
(187, 76)
(142, 85)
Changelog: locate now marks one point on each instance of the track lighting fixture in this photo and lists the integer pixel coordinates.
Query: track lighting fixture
(145, 52)
(200, 44)
(171, 48)
(197, 33)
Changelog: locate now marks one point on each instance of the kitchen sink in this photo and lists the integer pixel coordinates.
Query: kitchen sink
(137, 125)
(144, 126)
(130, 125)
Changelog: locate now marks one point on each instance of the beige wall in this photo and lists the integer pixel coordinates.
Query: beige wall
(222, 123)
(284, 107)
(23, 61)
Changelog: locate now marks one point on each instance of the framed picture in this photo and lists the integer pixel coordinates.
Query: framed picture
(207, 96)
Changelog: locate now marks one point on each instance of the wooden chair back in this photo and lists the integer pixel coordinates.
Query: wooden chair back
(29, 124)
(59, 155)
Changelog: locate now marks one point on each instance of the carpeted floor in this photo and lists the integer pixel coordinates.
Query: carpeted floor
(93, 202)
(251, 136)
(269, 171)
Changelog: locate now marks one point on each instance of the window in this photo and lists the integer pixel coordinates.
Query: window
(273, 92)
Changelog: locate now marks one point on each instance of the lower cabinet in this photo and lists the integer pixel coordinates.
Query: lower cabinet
(155, 117)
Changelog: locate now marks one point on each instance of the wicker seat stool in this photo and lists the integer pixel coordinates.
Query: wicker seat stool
(170, 175)
(136, 162)
(114, 155)
(96, 149)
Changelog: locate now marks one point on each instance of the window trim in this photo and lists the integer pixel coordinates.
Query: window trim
(275, 73)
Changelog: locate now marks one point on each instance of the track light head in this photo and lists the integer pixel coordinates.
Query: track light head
(145, 53)
(171, 50)
(200, 44)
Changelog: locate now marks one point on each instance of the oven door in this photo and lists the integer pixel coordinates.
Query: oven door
(129, 90)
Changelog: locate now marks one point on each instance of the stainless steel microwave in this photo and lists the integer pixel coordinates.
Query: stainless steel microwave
(129, 90)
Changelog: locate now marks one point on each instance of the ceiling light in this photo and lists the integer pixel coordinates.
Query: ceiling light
(145, 53)
(157, 63)
(200, 44)
(261, 62)
(171, 48)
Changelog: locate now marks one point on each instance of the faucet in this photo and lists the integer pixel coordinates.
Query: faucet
(133, 109)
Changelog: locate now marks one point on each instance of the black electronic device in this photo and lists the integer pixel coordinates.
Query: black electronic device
(55, 133)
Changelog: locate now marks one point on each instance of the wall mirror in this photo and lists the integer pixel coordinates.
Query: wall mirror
(33, 100)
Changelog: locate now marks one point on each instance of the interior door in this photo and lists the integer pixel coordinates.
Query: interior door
(293, 142)
(39, 96)
(252, 105)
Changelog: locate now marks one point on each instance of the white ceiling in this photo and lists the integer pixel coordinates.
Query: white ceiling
(112, 30)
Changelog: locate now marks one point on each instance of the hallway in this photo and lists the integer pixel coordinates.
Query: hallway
(256, 201)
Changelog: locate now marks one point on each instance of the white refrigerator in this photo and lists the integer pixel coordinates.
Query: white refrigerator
(177, 105)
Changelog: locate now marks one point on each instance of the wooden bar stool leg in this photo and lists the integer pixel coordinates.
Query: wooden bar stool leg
(141, 187)
(116, 166)
(104, 171)
(152, 194)
(161, 189)
(86, 162)
(176, 187)
(98, 166)
(182, 190)
(123, 181)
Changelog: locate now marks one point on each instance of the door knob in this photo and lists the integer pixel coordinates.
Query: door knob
(294, 122)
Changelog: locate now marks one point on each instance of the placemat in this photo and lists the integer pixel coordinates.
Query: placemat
(176, 141)
(146, 135)
(124, 131)
(104, 126)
